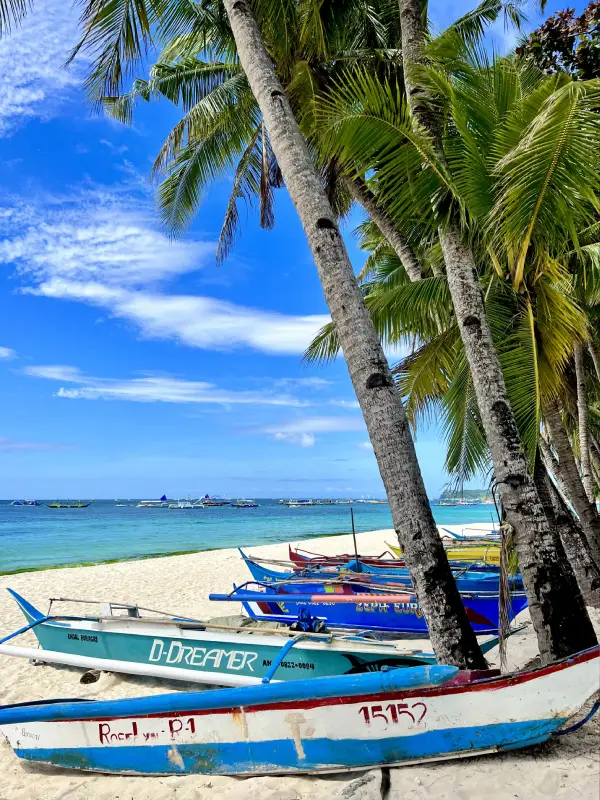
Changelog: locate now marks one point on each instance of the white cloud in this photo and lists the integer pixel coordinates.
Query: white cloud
(114, 148)
(303, 431)
(203, 322)
(94, 235)
(14, 445)
(345, 403)
(365, 446)
(7, 354)
(153, 389)
(104, 249)
(33, 79)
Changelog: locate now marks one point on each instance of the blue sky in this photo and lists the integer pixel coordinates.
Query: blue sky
(130, 364)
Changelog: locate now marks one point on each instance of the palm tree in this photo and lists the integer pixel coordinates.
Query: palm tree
(117, 45)
(477, 173)
(222, 127)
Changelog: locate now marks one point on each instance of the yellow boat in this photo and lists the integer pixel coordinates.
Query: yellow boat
(482, 552)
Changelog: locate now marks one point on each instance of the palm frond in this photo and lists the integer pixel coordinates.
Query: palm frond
(12, 13)
(538, 182)
(324, 347)
(467, 452)
(424, 375)
(244, 187)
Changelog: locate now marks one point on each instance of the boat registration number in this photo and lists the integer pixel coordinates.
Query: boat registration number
(393, 713)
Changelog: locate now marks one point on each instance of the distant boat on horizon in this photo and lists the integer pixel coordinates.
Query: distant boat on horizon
(162, 503)
(214, 502)
(26, 503)
(57, 504)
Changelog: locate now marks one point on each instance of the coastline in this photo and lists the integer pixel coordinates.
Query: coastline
(151, 556)
(564, 768)
(36, 538)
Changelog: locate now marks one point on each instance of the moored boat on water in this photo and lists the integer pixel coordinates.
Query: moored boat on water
(397, 717)
(245, 504)
(162, 503)
(68, 504)
(25, 503)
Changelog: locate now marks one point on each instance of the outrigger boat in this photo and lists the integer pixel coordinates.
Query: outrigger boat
(467, 579)
(304, 559)
(352, 722)
(469, 550)
(120, 639)
(352, 605)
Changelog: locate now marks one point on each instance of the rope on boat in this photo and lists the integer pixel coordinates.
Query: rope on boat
(581, 723)
(504, 594)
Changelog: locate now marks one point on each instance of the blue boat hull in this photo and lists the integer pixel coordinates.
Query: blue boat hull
(404, 617)
(310, 726)
(281, 757)
(474, 581)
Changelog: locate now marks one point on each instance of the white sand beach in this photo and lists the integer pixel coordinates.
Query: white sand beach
(564, 768)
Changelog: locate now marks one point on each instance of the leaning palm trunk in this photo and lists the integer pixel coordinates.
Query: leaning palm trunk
(571, 532)
(451, 634)
(554, 600)
(403, 250)
(591, 344)
(567, 473)
(582, 415)
(571, 535)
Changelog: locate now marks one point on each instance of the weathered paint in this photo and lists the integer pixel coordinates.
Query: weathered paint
(280, 605)
(467, 581)
(215, 656)
(325, 724)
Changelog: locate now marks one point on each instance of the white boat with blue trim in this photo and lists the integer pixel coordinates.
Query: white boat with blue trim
(319, 725)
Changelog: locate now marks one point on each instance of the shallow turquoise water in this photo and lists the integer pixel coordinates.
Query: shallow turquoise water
(43, 537)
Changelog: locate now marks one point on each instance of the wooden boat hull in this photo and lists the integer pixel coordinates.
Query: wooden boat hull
(303, 559)
(472, 581)
(180, 651)
(485, 553)
(315, 726)
(404, 616)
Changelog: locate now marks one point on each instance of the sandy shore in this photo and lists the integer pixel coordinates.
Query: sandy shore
(567, 768)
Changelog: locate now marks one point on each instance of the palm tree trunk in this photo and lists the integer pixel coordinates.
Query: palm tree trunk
(451, 634)
(591, 344)
(561, 527)
(568, 474)
(582, 414)
(547, 576)
(403, 250)
(572, 537)
(574, 540)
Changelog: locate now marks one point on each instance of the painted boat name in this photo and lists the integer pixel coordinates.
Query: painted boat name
(109, 736)
(176, 652)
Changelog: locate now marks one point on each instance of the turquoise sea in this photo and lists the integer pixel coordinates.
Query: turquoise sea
(36, 536)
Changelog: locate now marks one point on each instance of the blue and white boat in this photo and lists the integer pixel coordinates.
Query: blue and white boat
(320, 725)
(354, 606)
(467, 580)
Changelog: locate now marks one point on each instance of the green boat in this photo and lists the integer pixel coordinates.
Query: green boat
(121, 639)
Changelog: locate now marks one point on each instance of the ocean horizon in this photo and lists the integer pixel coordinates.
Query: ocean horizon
(38, 537)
